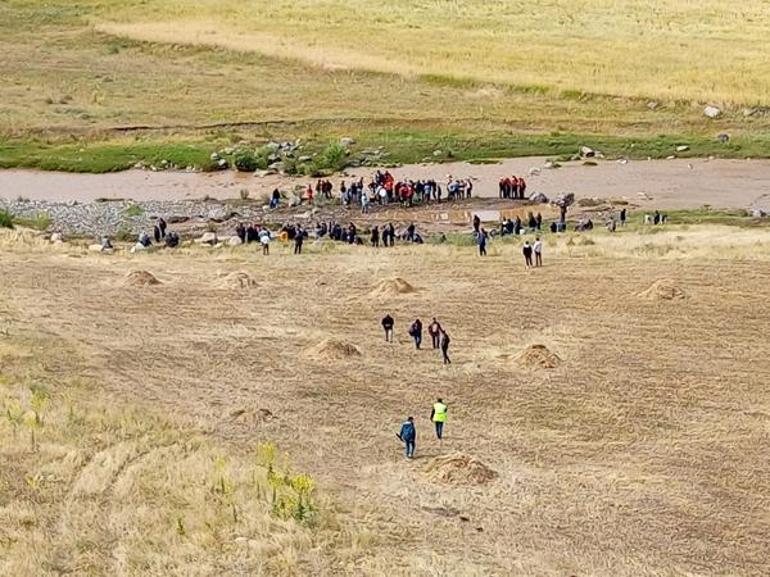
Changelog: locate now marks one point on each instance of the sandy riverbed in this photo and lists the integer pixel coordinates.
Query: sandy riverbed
(665, 184)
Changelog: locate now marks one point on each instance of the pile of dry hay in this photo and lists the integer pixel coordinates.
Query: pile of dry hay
(662, 289)
(139, 278)
(236, 281)
(459, 469)
(333, 349)
(538, 356)
(392, 287)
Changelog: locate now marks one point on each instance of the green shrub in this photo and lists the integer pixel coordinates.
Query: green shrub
(134, 210)
(6, 219)
(334, 157)
(41, 221)
(245, 161)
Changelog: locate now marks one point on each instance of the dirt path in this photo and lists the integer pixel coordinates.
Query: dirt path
(666, 184)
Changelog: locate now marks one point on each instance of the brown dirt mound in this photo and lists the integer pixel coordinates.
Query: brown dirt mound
(662, 289)
(333, 349)
(236, 281)
(459, 469)
(140, 278)
(538, 356)
(391, 287)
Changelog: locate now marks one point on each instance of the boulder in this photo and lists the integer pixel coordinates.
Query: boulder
(138, 247)
(234, 241)
(723, 137)
(347, 141)
(653, 105)
(56, 237)
(534, 171)
(539, 198)
(208, 238)
(294, 200)
(587, 152)
(682, 148)
(222, 163)
(758, 213)
(712, 112)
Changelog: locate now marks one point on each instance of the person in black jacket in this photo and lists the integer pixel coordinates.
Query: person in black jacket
(445, 340)
(387, 325)
(415, 331)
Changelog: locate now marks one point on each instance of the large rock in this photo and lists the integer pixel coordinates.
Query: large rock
(723, 137)
(234, 241)
(712, 112)
(564, 200)
(682, 148)
(539, 198)
(347, 141)
(208, 238)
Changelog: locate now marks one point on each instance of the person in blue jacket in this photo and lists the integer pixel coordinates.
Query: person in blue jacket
(408, 435)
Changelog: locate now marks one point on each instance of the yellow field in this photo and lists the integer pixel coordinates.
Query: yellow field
(697, 51)
(644, 452)
(476, 67)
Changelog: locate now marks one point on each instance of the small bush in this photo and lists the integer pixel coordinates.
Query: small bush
(244, 193)
(134, 210)
(41, 221)
(245, 161)
(6, 219)
(124, 234)
(334, 157)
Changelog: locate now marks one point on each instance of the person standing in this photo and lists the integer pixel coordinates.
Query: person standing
(408, 435)
(481, 240)
(445, 340)
(264, 240)
(438, 416)
(387, 325)
(375, 236)
(364, 202)
(537, 248)
(622, 217)
(434, 330)
(476, 223)
(299, 238)
(415, 331)
(527, 252)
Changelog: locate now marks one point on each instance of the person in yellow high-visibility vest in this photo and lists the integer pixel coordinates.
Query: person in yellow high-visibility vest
(438, 416)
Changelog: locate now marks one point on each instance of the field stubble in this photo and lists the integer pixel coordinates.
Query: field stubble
(641, 453)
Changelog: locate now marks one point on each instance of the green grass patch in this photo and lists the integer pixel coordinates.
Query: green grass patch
(42, 221)
(402, 144)
(6, 219)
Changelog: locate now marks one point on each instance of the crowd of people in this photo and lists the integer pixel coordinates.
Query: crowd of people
(512, 187)
(382, 188)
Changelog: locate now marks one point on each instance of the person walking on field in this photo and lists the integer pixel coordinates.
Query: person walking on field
(408, 436)
(415, 331)
(434, 330)
(537, 248)
(527, 252)
(445, 340)
(387, 325)
(438, 416)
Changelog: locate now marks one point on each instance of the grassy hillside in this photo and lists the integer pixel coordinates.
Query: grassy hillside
(475, 70)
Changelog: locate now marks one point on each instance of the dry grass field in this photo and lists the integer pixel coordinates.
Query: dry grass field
(641, 452)
(398, 71)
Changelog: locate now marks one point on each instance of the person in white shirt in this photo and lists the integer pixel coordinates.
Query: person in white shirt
(537, 248)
